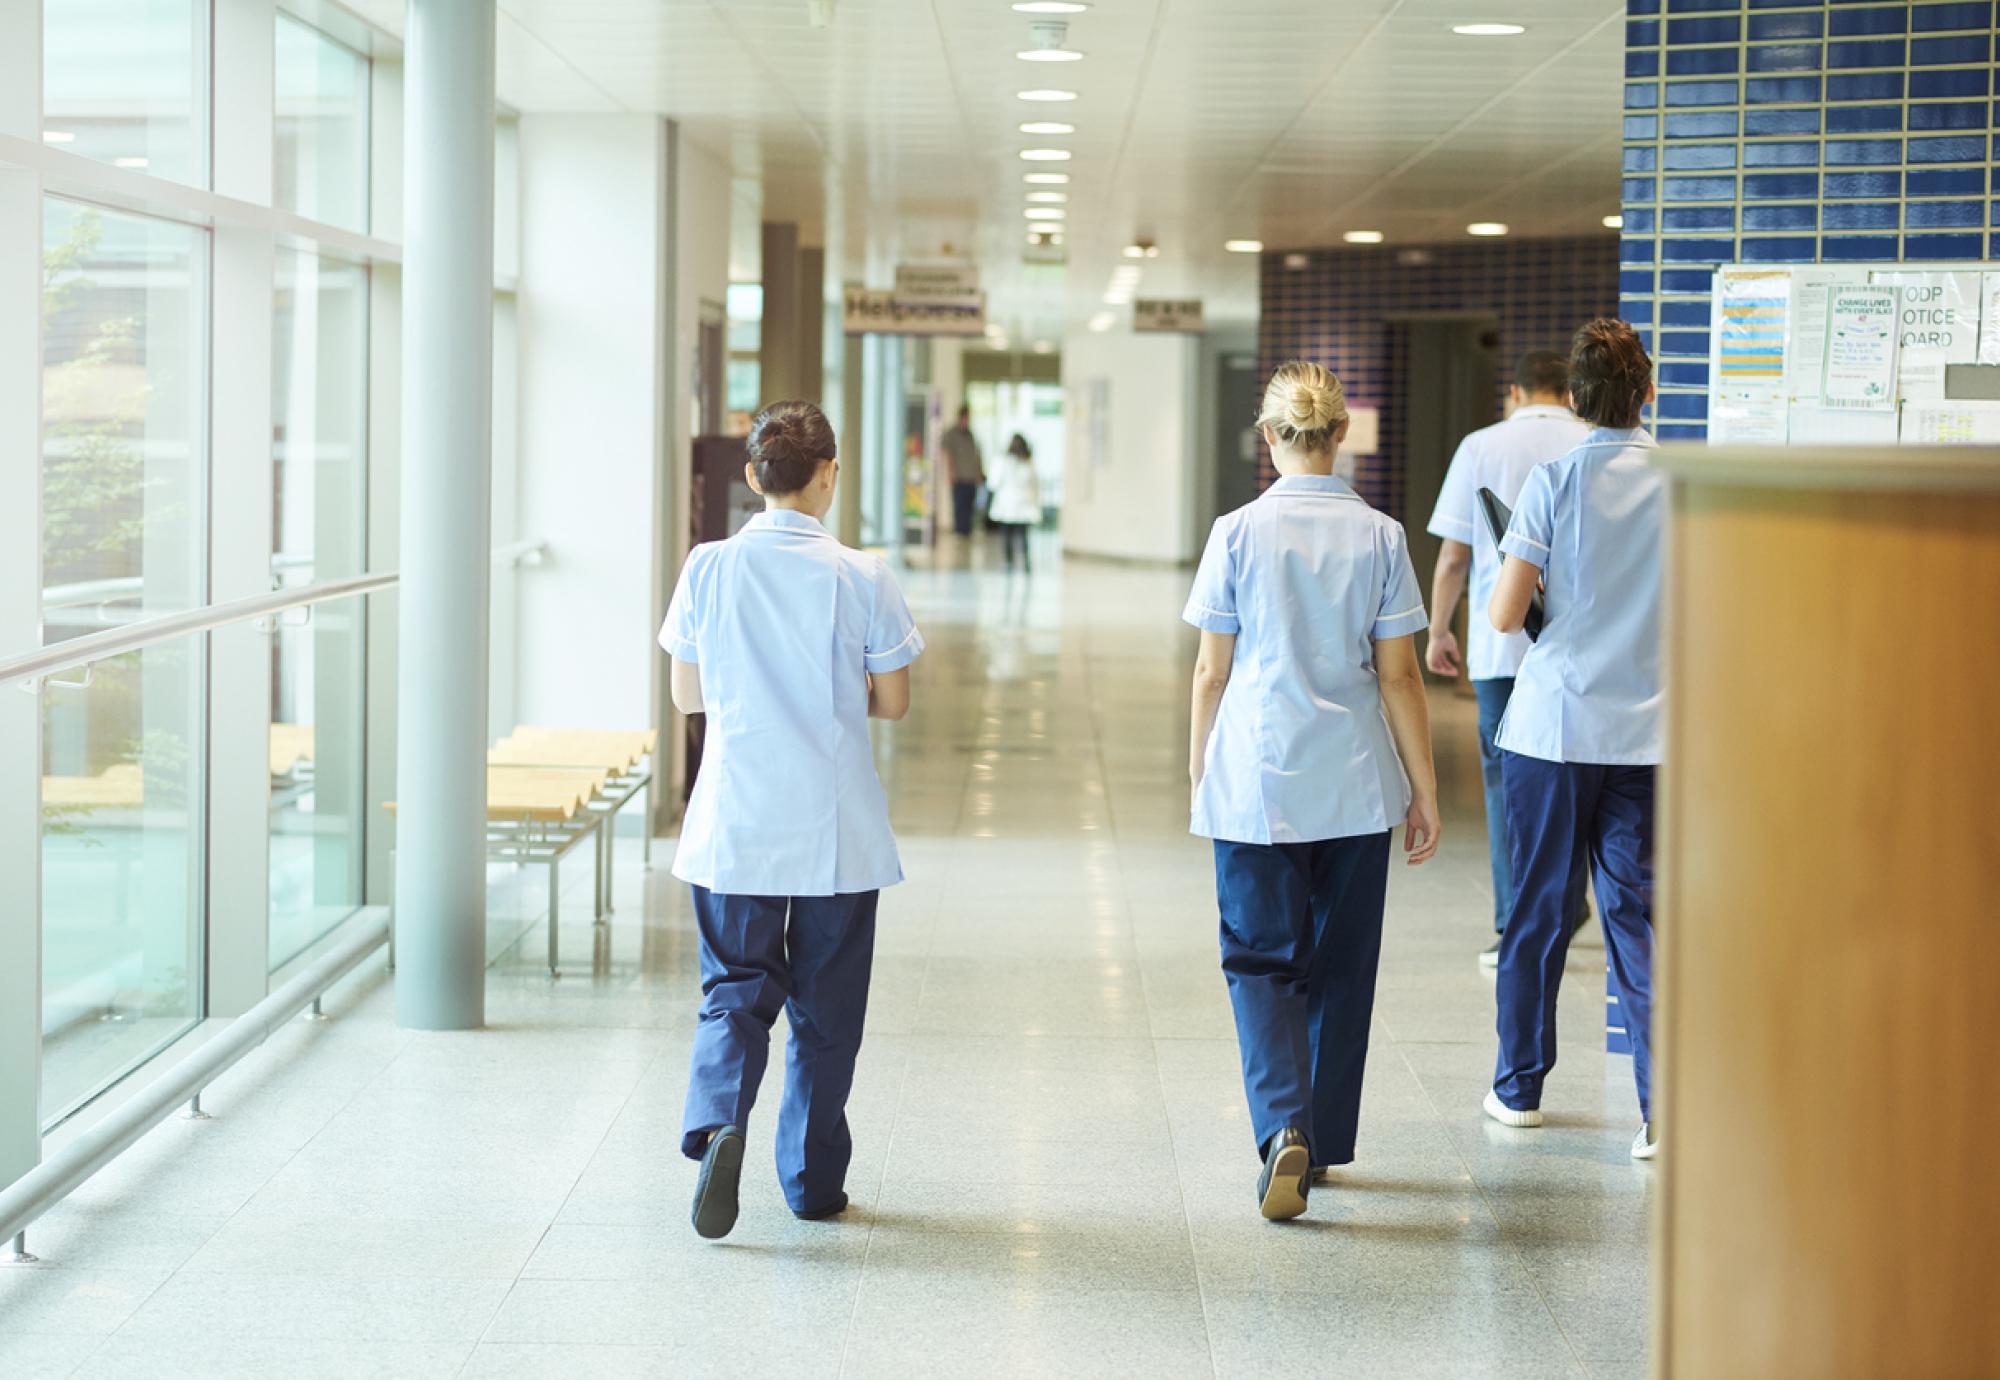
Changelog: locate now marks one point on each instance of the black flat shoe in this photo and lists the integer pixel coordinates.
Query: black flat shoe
(820, 1214)
(1287, 1176)
(715, 1190)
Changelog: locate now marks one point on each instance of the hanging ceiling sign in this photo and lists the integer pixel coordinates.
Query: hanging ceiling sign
(1167, 314)
(879, 311)
(954, 284)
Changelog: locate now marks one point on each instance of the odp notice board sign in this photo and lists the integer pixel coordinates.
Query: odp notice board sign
(879, 311)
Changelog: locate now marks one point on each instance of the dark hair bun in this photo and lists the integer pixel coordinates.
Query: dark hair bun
(789, 441)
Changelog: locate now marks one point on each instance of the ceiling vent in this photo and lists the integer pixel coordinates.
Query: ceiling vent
(1048, 33)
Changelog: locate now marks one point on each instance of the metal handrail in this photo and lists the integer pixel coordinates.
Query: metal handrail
(112, 588)
(81, 651)
(42, 1187)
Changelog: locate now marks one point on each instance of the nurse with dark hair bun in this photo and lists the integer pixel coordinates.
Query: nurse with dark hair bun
(789, 642)
(1580, 743)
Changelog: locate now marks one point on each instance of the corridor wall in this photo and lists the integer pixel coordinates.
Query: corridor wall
(1129, 474)
(1342, 309)
(595, 403)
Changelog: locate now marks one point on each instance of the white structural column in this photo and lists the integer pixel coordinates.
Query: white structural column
(446, 517)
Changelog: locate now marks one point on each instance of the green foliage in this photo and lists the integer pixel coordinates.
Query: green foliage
(93, 480)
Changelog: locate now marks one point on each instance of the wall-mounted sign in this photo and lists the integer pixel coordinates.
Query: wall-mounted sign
(1166, 314)
(953, 284)
(878, 311)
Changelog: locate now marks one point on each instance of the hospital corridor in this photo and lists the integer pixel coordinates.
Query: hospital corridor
(1049, 1122)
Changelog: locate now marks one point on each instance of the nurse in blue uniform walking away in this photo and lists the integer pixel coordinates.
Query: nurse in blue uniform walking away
(1581, 737)
(1308, 710)
(789, 642)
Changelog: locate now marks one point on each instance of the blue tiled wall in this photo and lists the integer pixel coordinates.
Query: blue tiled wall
(1763, 131)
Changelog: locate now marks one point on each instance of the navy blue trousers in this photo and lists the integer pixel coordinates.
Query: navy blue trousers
(1492, 696)
(809, 956)
(1556, 813)
(1301, 938)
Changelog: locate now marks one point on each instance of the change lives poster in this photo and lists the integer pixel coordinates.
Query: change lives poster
(1862, 336)
(1937, 324)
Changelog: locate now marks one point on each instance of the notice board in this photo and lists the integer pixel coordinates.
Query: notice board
(1815, 354)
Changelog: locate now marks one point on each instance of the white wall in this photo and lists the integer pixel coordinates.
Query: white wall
(702, 204)
(596, 328)
(1137, 499)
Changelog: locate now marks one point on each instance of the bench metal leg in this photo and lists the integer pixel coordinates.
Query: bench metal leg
(555, 904)
(610, 827)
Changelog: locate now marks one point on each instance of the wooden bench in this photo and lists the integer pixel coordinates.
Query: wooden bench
(626, 755)
(540, 815)
(122, 786)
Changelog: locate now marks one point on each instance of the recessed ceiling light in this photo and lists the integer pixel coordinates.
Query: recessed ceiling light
(1614, 222)
(1049, 55)
(1045, 155)
(1043, 347)
(1046, 179)
(130, 162)
(1363, 237)
(1051, 6)
(1296, 261)
(1045, 94)
(1049, 198)
(1045, 213)
(1117, 299)
(1486, 227)
(58, 136)
(1244, 246)
(1047, 127)
(1102, 322)
(1135, 251)
(1488, 30)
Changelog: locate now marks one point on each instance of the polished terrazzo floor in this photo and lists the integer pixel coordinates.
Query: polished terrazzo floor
(1053, 1169)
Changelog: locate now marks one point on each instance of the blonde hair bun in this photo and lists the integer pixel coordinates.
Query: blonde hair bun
(1304, 403)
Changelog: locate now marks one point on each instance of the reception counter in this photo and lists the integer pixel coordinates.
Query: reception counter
(1828, 1033)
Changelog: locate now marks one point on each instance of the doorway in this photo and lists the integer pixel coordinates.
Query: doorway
(1450, 368)
(1234, 406)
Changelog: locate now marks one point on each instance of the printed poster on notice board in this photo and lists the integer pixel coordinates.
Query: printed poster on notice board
(1747, 357)
(1859, 369)
(1989, 319)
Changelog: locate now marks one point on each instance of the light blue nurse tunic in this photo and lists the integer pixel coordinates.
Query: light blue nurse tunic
(784, 621)
(1308, 578)
(1498, 457)
(1593, 524)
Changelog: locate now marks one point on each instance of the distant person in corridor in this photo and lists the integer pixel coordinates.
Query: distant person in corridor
(789, 642)
(1538, 427)
(1016, 506)
(968, 472)
(1311, 743)
(1580, 743)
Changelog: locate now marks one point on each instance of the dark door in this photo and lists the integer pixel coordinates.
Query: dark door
(1235, 440)
(1450, 368)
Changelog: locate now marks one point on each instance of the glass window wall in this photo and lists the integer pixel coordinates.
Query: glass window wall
(319, 412)
(125, 82)
(123, 492)
(322, 127)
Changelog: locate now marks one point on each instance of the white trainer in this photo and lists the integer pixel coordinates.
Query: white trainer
(1646, 1144)
(1507, 1116)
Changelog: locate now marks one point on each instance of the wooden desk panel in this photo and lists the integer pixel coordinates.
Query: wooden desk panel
(1830, 935)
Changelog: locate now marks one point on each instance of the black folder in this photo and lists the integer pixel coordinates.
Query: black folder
(1498, 515)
